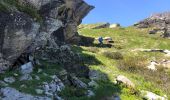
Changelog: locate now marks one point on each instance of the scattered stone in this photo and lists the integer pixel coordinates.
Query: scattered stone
(9, 80)
(25, 77)
(153, 65)
(37, 77)
(63, 72)
(93, 84)
(90, 93)
(54, 86)
(40, 70)
(45, 74)
(2, 83)
(53, 76)
(39, 91)
(27, 68)
(37, 62)
(63, 75)
(165, 63)
(125, 81)
(13, 94)
(76, 82)
(151, 96)
(56, 97)
(96, 75)
(114, 97)
(31, 58)
(23, 86)
(15, 74)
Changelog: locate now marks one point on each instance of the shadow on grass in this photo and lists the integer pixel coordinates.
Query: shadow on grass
(106, 90)
(106, 87)
(87, 59)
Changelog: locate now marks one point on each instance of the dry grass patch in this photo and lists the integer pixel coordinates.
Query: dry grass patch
(113, 55)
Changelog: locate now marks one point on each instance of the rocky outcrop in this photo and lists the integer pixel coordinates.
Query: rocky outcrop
(159, 23)
(18, 31)
(105, 25)
(21, 32)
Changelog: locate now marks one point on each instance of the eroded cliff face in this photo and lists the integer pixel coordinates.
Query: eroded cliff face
(21, 33)
(160, 22)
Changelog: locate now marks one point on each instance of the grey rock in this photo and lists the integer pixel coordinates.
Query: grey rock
(96, 75)
(20, 33)
(90, 93)
(40, 70)
(114, 97)
(9, 80)
(39, 91)
(124, 80)
(37, 77)
(23, 86)
(160, 21)
(25, 77)
(76, 82)
(2, 83)
(151, 96)
(45, 74)
(27, 68)
(54, 86)
(93, 84)
(13, 94)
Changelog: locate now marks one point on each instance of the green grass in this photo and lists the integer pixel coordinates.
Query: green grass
(119, 59)
(133, 65)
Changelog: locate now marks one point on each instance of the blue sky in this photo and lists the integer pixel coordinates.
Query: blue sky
(125, 12)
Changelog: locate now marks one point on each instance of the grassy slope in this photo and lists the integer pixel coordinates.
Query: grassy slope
(125, 40)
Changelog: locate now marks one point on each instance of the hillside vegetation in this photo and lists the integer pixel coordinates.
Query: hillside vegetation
(122, 59)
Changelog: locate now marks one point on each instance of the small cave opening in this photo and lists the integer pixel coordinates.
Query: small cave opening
(59, 34)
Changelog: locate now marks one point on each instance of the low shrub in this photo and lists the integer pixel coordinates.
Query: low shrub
(113, 55)
(132, 64)
(93, 49)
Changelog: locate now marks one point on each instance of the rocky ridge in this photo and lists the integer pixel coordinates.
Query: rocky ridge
(159, 22)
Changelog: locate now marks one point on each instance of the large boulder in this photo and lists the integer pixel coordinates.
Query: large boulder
(124, 80)
(17, 32)
(21, 32)
(160, 22)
